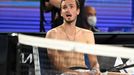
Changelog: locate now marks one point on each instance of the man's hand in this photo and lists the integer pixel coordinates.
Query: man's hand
(95, 72)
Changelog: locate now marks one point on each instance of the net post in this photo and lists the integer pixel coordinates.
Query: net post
(36, 61)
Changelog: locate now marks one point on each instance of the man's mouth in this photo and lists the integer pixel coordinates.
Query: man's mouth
(68, 15)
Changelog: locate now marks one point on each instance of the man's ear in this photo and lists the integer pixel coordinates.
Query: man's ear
(61, 14)
(78, 11)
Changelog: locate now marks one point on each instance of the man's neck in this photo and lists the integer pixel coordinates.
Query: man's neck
(69, 26)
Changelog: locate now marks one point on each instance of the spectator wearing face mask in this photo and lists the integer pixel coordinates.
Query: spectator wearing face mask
(90, 18)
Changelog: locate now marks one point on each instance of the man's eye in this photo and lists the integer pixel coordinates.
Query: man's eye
(64, 7)
(71, 6)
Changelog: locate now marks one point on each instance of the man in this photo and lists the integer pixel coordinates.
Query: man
(90, 18)
(69, 31)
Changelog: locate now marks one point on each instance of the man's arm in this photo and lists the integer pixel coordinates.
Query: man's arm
(55, 3)
(93, 58)
(49, 4)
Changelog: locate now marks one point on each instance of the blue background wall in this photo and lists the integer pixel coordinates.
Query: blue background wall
(24, 16)
(133, 12)
(113, 15)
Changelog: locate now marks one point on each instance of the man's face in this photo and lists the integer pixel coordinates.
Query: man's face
(69, 10)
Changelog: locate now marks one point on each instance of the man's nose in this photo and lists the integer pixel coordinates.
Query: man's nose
(68, 9)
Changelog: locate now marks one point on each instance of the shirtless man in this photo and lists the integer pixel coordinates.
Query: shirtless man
(68, 31)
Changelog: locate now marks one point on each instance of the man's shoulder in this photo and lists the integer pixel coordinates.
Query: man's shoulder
(53, 30)
(87, 35)
(86, 31)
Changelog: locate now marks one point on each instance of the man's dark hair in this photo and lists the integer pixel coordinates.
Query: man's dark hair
(77, 4)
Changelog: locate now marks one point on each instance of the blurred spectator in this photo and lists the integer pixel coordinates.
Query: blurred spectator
(90, 18)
